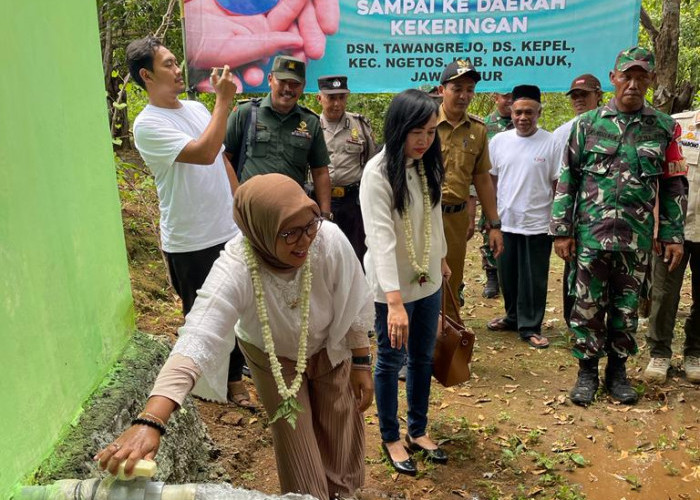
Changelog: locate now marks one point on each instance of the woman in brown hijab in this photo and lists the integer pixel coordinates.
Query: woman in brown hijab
(291, 292)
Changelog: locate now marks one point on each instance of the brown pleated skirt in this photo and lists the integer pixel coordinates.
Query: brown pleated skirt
(325, 455)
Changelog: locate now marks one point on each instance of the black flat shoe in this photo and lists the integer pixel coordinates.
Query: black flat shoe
(436, 456)
(407, 467)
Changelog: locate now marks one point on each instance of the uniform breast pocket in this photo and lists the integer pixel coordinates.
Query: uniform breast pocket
(300, 149)
(353, 148)
(262, 143)
(600, 154)
(651, 159)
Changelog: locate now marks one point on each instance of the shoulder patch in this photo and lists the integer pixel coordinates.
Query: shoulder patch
(476, 118)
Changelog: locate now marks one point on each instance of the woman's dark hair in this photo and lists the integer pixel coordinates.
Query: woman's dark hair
(408, 110)
(140, 54)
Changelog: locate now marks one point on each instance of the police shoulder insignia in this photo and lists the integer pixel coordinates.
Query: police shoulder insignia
(476, 118)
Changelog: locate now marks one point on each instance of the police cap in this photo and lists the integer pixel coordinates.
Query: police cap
(334, 84)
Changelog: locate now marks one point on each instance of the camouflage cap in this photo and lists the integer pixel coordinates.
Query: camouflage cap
(335, 84)
(586, 82)
(289, 68)
(635, 56)
(457, 69)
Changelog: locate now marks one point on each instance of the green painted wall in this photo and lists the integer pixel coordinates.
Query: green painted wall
(65, 299)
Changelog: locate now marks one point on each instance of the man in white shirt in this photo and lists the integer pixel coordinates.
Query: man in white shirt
(525, 165)
(182, 145)
(585, 94)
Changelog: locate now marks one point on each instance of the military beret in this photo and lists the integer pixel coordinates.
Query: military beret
(334, 84)
(635, 56)
(289, 68)
(457, 69)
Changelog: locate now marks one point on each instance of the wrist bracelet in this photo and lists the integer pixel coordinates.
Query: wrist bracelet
(366, 368)
(149, 423)
(151, 416)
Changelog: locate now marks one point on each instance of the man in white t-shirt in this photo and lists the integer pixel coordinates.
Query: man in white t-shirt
(525, 165)
(182, 145)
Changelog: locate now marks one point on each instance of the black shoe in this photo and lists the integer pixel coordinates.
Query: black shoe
(403, 373)
(246, 371)
(587, 382)
(407, 467)
(491, 289)
(616, 381)
(437, 455)
(460, 294)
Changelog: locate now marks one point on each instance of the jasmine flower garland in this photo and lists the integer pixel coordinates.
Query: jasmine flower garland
(422, 270)
(290, 407)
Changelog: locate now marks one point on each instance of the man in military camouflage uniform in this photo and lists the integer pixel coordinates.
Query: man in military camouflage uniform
(618, 156)
(466, 157)
(275, 134)
(666, 284)
(350, 144)
(498, 121)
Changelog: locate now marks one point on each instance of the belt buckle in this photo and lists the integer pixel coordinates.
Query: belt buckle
(338, 192)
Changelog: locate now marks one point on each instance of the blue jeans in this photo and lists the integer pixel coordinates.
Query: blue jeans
(422, 332)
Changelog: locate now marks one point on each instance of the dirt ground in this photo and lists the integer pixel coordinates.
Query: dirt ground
(510, 432)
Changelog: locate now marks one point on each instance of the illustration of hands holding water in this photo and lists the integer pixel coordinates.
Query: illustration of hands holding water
(245, 34)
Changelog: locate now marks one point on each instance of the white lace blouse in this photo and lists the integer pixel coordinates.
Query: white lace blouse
(341, 309)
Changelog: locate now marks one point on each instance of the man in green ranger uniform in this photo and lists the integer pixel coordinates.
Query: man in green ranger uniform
(618, 157)
(498, 121)
(275, 134)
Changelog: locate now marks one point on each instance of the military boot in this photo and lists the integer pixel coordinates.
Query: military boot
(491, 288)
(587, 382)
(616, 381)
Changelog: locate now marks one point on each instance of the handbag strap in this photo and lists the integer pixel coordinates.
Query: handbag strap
(446, 286)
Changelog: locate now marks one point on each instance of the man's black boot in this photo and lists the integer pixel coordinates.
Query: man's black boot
(491, 288)
(587, 382)
(616, 381)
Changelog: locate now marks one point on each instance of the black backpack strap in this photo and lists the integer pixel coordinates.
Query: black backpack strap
(248, 139)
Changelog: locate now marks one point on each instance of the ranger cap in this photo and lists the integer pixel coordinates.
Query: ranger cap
(457, 69)
(289, 68)
(335, 84)
(586, 82)
(635, 56)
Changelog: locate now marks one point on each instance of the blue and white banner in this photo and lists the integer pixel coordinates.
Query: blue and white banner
(391, 45)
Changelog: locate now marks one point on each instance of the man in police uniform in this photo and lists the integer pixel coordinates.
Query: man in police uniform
(275, 134)
(498, 121)
(618, 157)
(350, 144)
(466, 157)
(666, 284)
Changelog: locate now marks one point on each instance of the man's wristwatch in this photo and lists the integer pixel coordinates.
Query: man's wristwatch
(495, 224)
(362, 360)
(327, 215)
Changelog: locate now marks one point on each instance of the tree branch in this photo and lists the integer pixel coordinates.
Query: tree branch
(648, 24)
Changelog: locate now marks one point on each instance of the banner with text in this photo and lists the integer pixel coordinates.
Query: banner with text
(391, 45)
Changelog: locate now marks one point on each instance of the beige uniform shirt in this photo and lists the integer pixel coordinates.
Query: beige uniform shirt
(350, 144)
(465, 153)
(690, 143)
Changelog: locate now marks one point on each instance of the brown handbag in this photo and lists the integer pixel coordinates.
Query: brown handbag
(454, 345)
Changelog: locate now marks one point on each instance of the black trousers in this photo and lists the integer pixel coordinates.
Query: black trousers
(348, 216)
(188, 271)
(523, 269)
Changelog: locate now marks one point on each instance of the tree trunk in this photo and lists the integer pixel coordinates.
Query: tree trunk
(665, 41)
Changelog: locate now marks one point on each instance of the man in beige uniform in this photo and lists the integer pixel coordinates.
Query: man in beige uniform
(350, 144)
(466, 157)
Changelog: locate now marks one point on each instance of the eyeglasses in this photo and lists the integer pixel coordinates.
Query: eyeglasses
(293, 235)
